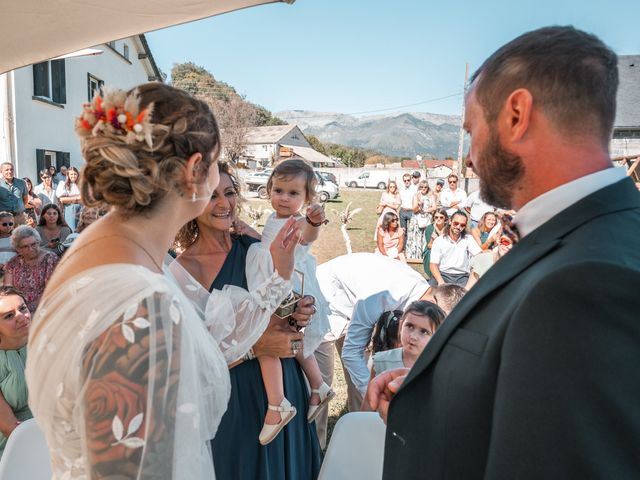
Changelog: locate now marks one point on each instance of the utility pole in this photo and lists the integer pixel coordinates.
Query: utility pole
(461, 138)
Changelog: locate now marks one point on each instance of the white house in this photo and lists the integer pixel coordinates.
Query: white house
(267, 145)
(626, 130)
(39, 103)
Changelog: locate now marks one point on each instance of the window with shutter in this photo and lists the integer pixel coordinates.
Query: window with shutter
(58, 81)
(41, 79)
(93, 85)
(49, 81)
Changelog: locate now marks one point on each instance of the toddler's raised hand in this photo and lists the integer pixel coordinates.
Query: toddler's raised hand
(315, 213)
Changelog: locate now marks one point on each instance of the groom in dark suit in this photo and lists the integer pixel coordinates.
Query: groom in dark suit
(536, 373)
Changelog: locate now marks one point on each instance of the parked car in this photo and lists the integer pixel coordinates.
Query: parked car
(257, 182)
(369, 179)
(328, 176)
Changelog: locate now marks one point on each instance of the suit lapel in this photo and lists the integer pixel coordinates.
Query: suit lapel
(522, 256)
(619, 196)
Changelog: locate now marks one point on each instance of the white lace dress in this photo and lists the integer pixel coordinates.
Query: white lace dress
(260, 267)
(127, 380)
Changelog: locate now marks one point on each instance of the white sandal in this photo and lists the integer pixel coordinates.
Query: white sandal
(269, 432)
(326, 393)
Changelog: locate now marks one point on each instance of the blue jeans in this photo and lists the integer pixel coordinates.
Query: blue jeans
(405, 216)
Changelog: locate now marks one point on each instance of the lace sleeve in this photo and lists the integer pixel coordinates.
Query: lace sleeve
(130, 375)
(237, 318)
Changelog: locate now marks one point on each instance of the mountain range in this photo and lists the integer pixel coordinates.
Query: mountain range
(397, 134)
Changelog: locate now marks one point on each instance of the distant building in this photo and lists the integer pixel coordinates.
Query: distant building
(39, 103)
(267, 146)
(626, 130)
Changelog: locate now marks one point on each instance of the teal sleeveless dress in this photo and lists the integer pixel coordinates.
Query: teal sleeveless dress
(14, 386)
(237, 454)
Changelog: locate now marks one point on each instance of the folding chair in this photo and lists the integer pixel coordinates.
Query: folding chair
(356, 449)
(26, 455)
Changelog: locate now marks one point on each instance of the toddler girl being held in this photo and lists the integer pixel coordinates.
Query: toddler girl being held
(292, 187)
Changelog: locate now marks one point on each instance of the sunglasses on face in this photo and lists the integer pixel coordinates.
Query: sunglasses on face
(406, 180)
(393, 220)
(461, 225)
(7, 224)
(453, 181)
(44, 177)
(439, 217)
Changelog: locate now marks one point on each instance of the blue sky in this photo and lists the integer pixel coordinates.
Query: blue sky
(353, 56)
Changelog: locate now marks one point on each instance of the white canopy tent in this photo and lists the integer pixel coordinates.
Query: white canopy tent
(35, 30)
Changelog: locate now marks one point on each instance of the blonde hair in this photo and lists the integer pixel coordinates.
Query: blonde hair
(135, 177)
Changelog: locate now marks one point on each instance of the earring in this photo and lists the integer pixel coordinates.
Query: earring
(193, 197)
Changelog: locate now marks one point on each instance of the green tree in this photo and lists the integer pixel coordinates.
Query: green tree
(316, 144)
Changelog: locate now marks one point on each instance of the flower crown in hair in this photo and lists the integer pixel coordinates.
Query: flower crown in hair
(116, 113)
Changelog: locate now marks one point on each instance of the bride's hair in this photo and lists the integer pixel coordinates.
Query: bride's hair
(135, 174)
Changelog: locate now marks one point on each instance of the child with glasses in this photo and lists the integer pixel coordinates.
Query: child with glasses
(390, 238)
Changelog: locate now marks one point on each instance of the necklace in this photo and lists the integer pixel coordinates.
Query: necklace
(139, 245)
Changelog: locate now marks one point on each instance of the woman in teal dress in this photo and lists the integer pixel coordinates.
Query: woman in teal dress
(213, 253)
(15, 320)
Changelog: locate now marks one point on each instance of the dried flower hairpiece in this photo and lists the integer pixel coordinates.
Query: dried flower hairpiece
(117, 113)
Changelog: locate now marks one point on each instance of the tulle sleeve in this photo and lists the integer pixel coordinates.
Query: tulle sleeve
(130, 382)
(235, 318)
(126, 384)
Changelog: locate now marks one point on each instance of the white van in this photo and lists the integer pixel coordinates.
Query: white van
(370, 179)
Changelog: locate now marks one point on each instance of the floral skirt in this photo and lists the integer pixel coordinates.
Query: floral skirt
(415, 240)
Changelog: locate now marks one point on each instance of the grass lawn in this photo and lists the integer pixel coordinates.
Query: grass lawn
(329, 245)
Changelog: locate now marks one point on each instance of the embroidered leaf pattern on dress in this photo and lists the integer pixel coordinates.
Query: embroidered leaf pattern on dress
(117, 428)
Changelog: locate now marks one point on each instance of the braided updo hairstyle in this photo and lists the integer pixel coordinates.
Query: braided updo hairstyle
(133, 176)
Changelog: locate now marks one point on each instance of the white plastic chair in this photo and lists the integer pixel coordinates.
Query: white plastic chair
(26, 455)
(356, 449)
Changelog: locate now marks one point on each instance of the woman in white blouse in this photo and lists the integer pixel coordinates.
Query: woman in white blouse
(69, 195)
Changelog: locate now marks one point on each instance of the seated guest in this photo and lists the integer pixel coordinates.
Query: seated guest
(390, 238)
(486, 233)
(52, 228)
(482, 262)
(15, 320)
(417, 325)
(389, 202)
(6, 249)
(450, 253)
(30, 270)
(6, 227)
(439, 221)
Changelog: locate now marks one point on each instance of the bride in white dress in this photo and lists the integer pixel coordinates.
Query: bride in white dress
(124, 377)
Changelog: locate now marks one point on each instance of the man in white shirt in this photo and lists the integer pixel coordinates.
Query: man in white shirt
(451, 252)
(359, 288)
(534, 374)
(407, 191)
(476, 207)
(453, 198)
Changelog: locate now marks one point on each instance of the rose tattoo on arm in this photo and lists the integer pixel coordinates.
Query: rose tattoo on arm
(131, 385)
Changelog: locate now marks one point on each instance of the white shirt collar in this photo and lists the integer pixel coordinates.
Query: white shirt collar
(549, 204)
